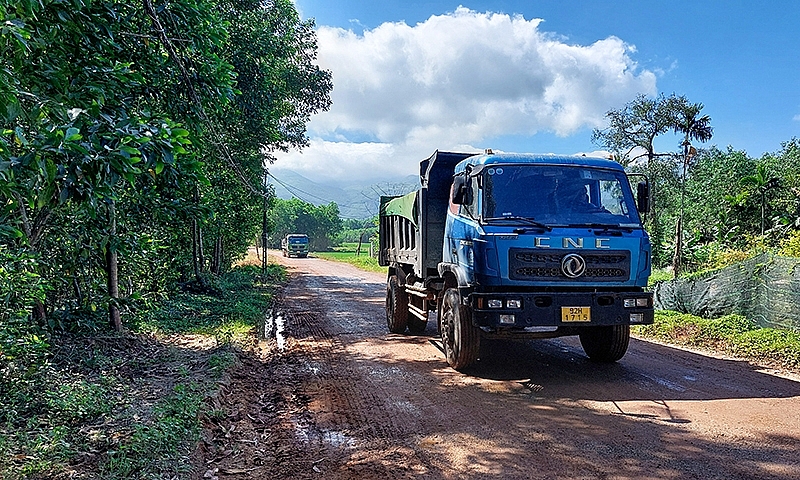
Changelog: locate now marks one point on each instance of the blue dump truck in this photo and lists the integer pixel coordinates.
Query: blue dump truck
(295, 244)
(518, 246)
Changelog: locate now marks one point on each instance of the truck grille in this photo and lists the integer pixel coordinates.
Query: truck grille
(606, 266)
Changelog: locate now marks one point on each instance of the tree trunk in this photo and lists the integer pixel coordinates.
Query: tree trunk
(677, 259)
(201, 257)
(195, 264)
(197, 242)
(264, 241)
(39, 312)
(218, 256)
(113, 273)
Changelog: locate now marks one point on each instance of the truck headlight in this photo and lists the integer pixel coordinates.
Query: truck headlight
(637, 318)
(513, 303)
(494, 303)
(636, 302)
(507, 319)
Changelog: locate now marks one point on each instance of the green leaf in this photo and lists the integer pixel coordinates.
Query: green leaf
(72, 135)
(130, 150)
(20, 137)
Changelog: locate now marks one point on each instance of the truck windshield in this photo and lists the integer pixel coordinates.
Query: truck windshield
(559, 195)
(298, 240)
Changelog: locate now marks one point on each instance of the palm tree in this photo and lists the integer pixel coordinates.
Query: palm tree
(689, 122)
(762, 184)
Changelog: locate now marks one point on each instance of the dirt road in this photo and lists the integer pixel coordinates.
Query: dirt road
(335, 396)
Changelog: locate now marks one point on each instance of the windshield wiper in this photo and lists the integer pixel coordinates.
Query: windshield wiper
(603, 226)
(517, 218)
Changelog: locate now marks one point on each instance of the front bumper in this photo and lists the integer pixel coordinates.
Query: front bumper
(561, 309)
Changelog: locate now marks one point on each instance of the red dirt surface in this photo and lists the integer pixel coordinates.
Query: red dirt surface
(331, 394)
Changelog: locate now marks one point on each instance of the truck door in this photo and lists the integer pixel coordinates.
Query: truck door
(461, 228)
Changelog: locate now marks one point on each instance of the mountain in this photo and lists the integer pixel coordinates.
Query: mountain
(355, 200)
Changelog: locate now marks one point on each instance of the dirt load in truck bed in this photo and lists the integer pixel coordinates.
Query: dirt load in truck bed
(333, 395)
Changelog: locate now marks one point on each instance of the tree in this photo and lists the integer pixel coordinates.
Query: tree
(125, 125)
(321, 223)
(74, 130)
(694, 127)
(762, 183)
(635, 128)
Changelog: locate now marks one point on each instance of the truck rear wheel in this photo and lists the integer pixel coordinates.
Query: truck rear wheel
(461, 340)
(606, 344)
(396, 306)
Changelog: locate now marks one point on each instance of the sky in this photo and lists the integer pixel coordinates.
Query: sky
(411, 77)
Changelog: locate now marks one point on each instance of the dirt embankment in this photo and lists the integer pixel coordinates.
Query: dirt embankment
(333, 395)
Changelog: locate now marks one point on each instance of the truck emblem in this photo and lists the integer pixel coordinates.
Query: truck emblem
(573, 265)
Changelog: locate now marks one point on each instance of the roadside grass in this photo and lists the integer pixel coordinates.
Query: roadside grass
(346, 253)
(732, 334)
(129, 406)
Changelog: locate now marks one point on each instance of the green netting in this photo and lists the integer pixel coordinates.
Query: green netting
(765, 289)
(404, 206)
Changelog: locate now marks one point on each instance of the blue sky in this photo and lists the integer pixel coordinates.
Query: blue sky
(488, 74)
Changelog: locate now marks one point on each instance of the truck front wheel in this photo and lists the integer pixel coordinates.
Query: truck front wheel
(396, 306)
(461, 340)
(606, 344)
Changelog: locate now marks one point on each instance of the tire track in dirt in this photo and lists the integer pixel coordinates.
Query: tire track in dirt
(345, 398)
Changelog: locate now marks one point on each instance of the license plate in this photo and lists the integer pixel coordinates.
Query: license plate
(576, 314)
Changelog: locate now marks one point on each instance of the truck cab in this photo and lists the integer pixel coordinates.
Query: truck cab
(535, 246)
(295, 244)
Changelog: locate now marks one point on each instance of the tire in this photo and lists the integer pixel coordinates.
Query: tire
(396, 306)
(283, 252)
(461, 340)
(606, 344)
(416, 326)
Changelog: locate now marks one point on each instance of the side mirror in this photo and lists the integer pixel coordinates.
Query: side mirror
(643, 197)
(462, 194)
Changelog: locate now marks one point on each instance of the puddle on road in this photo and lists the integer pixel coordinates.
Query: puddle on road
(275, 327)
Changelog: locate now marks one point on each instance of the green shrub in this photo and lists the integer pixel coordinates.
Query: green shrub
(731, 334)
(790, 246)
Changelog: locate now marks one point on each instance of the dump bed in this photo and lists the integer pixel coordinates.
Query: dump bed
(411, 228)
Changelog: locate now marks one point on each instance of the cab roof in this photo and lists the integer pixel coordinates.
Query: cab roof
(535, 158)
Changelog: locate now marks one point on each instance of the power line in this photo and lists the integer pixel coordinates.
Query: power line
(292, 189)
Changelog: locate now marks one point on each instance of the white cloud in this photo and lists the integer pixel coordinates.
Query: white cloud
(796, 118)
(454, 80)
